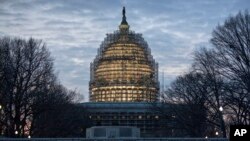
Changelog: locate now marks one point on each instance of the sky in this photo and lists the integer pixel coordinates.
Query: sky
(74, 29)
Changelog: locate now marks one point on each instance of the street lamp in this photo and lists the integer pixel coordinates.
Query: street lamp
(221, 108)
(216, 133)
(16, 134)
(0, 107)
(29, 136)
(222, 123)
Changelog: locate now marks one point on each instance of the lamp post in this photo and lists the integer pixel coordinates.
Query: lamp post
(221, 108)
(16, 133)
(222, 123)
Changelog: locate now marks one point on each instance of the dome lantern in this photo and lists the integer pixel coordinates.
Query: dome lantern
(124, 24)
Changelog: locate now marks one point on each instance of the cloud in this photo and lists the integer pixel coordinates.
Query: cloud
(73, 30)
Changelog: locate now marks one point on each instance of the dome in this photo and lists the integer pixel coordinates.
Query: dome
(124, 69)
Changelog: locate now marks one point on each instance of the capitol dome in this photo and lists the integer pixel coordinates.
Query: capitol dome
(124, 69)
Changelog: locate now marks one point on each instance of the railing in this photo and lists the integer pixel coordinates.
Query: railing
(135, 139)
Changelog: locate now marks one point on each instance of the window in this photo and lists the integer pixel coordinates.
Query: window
(139, 117)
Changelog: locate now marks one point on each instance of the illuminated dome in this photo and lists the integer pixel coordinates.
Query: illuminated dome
(124, 69)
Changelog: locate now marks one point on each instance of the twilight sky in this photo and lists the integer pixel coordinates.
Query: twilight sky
(74, 29)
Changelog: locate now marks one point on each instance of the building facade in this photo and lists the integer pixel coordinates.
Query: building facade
(143, 115)
(124, 85)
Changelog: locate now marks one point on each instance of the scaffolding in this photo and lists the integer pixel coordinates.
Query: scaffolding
(124, 69)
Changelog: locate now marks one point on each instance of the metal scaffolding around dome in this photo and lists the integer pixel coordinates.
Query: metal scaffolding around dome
(124, 69)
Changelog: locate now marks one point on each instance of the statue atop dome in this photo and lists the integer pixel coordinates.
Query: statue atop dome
(124, 12)
(124, 24)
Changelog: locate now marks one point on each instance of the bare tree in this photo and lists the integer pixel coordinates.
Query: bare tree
(58, 116)
(198, 96)
(26, 67)
(32, 100)
(216, 92)
(187, 98)
(232, 49)
(222, 78)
